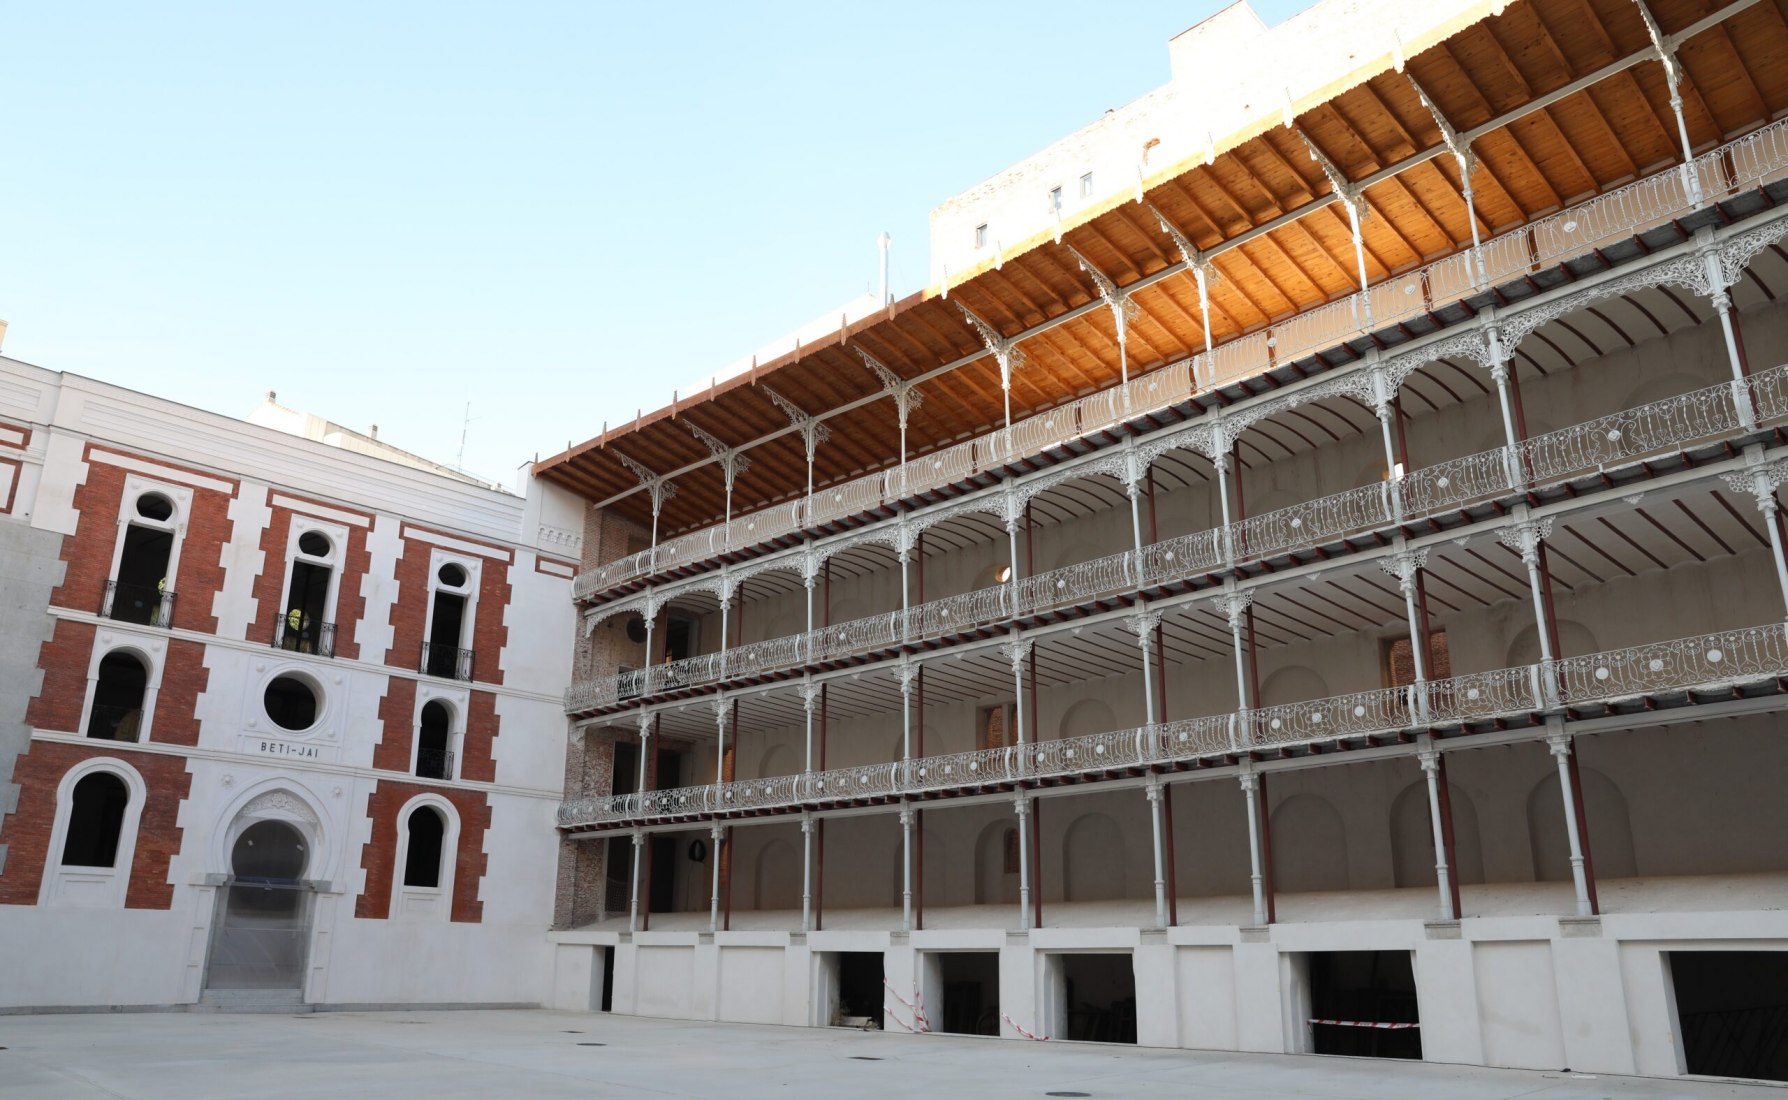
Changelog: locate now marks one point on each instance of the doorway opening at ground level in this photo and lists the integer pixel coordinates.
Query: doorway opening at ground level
(1732, 1012)
(1092, 998)
(607, 1003)
(1363, 1003)
(962, 992)
(850, 988)
(262, 924)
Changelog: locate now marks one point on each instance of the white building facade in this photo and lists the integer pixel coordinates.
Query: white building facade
(282, 721)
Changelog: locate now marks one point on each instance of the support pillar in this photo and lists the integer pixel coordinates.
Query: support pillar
(1430, 761)
(806, 872)
(1722, 303)
(1256, 876)
(639, 844)
(906, 867)
(1525, 538)
(1559, 742)
(1762, 480)
(716, 837)
(1021, 805)
(1155, 812)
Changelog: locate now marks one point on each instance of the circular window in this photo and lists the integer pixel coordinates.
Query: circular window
(314, 544)
(291, 703)
(452, 576)
(154, 506)
(636, 630)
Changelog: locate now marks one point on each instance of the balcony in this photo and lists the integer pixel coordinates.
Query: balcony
(1641, 677)
(447, 662)
(434, 763)
(1576, 231)
(304, 636)
(135, 603)
(1595, 447)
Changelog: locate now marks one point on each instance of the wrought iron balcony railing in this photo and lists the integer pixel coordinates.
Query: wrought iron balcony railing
(304, 636)
(434, 763)
(1575, 231)
(447, 662)
(1709, 662)
(1618, 439)
(137, 603)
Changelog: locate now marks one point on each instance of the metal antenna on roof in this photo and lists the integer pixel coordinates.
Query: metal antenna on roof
(459, 463)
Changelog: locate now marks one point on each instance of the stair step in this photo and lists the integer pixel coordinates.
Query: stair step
(289, 1001)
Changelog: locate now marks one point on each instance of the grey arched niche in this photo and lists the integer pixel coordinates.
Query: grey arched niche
(1309, 846)
(1605, 812)
(1093, 859)
(1412, 838)
(777, 880)
(1086, 716)
(995, 850)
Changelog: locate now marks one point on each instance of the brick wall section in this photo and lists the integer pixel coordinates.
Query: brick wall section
(409, 618)
(183, 679)
(397, 720)
(64, 659)
(88, 554)
(352, 560)
(478, 761)
(379, 857)
(26, 832)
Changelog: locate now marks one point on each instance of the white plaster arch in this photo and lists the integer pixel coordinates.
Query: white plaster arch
(425, 902)
(278, 798)
(92, 887)
(150, 649)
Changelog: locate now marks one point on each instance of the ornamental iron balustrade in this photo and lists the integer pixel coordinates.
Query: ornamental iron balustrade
(449, 662)
(304, 636)
(1707, 662)
(1575, 231)
(137, 603)
(1662, 426)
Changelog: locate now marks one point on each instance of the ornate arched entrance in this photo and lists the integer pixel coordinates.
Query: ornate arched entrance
(261, 933)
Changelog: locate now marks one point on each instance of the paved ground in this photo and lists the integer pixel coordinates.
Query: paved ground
(440, 1055)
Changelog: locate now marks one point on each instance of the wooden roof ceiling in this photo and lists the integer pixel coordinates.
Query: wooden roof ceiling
(1613, 130)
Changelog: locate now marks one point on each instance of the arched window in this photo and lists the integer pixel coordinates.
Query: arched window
(95, 819)
(141, 592)
(422, 863)
(434, 759)
(445, 651)
(117, 710)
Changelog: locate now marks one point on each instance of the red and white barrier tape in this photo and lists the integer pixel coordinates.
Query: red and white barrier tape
(916, 1006)
(1366, 1023)
(1023, 1032)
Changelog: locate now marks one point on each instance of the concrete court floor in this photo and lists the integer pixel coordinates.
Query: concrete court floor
(540, 1053)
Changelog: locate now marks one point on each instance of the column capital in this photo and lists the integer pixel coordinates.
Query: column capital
(1021, 803)
(806, 823)
(1524, 538)
(1558, 743)
(1249, 781)
(646, 722)
(1017, 651)
(810, 693)
(1404, 565)
(907, 672)
(1143, 625)
(717, 833)
(639, 838)
(1233, 605)
(906, 816)
(1154, 789)
(1429, 758)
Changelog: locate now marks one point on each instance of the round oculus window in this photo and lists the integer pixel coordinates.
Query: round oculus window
(315, 544)
(291, 703)
(154, 506)
(453, 576)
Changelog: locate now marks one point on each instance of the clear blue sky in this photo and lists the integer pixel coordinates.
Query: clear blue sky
(555, 212)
